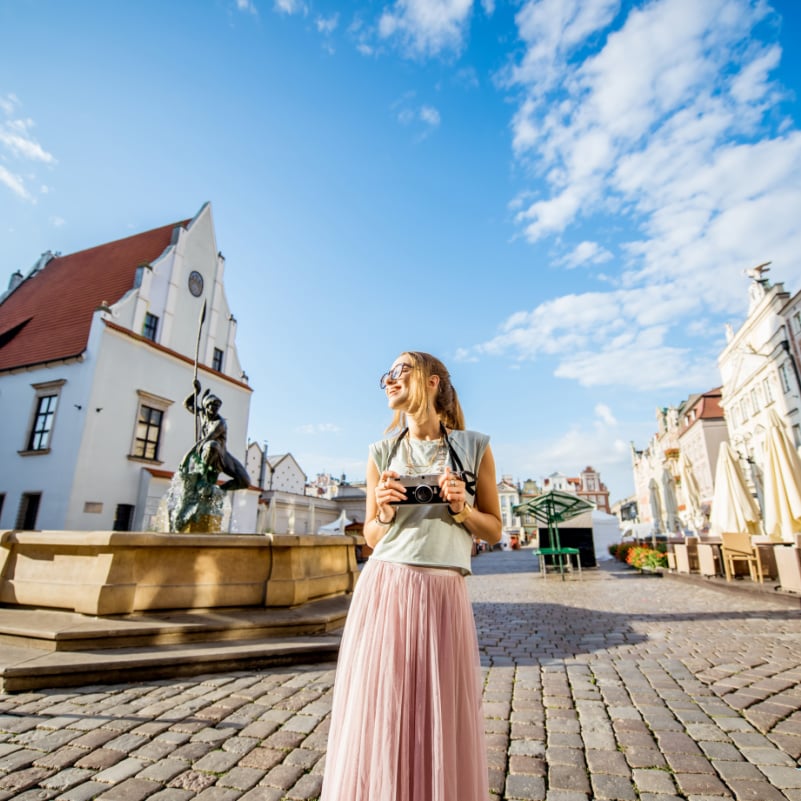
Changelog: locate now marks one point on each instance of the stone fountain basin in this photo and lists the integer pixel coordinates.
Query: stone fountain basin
(113, 573)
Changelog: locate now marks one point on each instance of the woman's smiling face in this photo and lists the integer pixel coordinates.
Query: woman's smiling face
(397, 382)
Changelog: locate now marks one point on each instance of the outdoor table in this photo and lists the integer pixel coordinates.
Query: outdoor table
(562, 557)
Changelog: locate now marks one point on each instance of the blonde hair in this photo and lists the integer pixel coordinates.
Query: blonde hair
(446, 402)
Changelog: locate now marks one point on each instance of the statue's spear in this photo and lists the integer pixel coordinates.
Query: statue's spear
(197, 354)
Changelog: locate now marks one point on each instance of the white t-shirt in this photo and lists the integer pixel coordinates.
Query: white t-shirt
(425, 534)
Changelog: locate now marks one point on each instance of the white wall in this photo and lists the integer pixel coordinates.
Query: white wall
(49, 473)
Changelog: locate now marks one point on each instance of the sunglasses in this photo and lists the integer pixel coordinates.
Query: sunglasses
(393, 375)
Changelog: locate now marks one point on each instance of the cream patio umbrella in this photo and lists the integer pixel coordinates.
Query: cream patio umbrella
(656, 510)
(733, 507)
(691, 492)
(672, 521)
(782, 482)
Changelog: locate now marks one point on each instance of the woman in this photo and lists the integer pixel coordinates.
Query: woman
(407, 722)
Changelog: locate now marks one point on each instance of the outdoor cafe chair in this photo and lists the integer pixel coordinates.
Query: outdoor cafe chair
(737, 548)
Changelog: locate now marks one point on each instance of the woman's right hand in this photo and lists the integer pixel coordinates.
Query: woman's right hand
(387, 491)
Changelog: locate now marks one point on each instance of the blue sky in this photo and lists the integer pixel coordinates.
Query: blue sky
(557, 197)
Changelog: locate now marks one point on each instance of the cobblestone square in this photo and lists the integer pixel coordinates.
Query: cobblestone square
(618, 686)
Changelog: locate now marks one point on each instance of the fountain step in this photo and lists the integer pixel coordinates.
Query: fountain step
(45, 648)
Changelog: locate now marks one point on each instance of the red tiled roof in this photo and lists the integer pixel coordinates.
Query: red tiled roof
(48, 316)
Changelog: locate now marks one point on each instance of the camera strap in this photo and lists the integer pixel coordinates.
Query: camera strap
(456, 463)
(468, 477)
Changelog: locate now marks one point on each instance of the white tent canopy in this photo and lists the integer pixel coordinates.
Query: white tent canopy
(338, 526)
(605, 532)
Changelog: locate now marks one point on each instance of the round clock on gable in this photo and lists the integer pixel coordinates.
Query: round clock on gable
(196, 283)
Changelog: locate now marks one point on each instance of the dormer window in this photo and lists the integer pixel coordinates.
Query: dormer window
(150, 327)
(217, 360)
(140, 271)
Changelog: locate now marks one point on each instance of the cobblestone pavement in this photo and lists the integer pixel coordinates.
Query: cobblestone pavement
(618, 686)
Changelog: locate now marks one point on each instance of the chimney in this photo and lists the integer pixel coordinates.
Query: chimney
(16, 280)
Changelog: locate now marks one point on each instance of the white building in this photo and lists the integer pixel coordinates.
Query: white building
(97, 354)
(759, 367)
(702, 431)
(512, 526)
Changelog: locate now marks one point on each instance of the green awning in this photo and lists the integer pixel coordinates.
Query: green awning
(552, 508)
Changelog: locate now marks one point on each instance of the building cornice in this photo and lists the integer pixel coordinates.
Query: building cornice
(175, 354)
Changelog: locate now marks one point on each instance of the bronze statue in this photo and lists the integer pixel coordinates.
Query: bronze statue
(211, 447)
(196, 501)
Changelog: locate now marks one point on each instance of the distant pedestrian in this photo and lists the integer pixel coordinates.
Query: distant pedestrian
(407, 722)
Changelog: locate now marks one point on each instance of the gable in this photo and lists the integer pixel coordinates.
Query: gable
(48, 316)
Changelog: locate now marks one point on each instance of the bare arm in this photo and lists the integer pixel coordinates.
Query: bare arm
(373, 530)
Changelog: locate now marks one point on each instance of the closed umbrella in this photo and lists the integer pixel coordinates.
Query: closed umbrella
(656, 506)
(656, 510)
(672, 522)
(691, 492)
(733, 507)
(782, 482)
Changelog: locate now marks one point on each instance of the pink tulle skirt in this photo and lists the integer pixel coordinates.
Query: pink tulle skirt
(407, 722)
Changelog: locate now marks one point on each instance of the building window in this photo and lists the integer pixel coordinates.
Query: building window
(28, 511)
(755, 401)
(150, 327)
(146, 443)
(148, 433)
(139, 274)
(217, 361)
(39, 439)
(768, 391)
(123, 517)
(785, 378)
(43, 415)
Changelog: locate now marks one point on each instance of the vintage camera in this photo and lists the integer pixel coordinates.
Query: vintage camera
(421, 489)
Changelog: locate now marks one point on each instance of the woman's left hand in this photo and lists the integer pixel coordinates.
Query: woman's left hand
(452, 490)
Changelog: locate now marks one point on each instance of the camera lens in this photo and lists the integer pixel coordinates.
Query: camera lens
(423, 493)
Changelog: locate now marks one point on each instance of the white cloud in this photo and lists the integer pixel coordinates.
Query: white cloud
(427, 27)
(319, 428)
(327, 25)
(18, 144)
(430, 116)
(14, 183)
(423, 118)
(291, 6)
(550, 31)
(8, 104)
(586, 253)
(654, 130)
(604, 414)
(617, 338)
(14, 137)
(684, 54)
(57, 222)
(248, 6)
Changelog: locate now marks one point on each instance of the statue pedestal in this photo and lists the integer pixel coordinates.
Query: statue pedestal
(204, 524)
